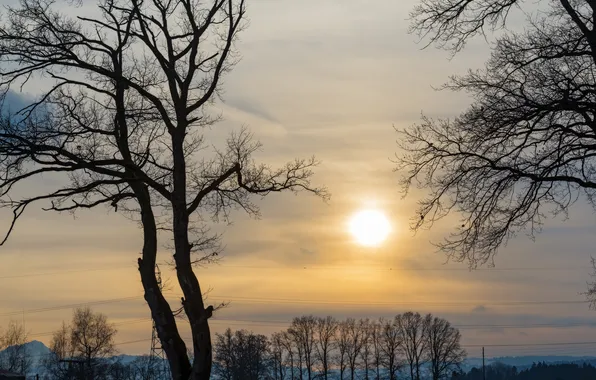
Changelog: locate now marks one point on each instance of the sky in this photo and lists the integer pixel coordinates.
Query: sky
(332, 79)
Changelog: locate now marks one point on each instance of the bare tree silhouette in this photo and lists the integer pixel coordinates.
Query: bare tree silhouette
(88, 339)
(355, 342)
(525, 146)
(242, 355)
(342, 342)
(324, 343)
(443, 348)
(120, 125)
(145, 367)
(366, 353)
(279, 356)
(413, 329)
(376, 343)
(288, 345)
(303, 330)
(391, 347)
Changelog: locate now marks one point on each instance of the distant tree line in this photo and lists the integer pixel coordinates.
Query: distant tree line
(538, 371)
(409, 345)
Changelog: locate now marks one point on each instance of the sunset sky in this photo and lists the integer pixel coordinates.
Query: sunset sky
(330, 78)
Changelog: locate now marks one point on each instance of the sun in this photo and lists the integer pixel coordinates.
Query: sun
(369, 227)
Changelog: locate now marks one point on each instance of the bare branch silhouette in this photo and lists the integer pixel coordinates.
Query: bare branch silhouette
(524, 149)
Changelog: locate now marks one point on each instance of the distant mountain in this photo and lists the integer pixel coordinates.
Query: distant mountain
(36, 350)
(522, 362)
(125, 359)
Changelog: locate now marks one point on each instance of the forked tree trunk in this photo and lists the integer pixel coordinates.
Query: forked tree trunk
(198, 318)
(192, 301)
(167, 330)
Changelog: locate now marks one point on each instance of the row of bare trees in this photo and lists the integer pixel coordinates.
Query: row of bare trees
(410, 344)
(326, 348)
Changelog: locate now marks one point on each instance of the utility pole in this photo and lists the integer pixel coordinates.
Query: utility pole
(483, 371)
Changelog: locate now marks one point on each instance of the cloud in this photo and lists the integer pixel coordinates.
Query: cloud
(308, 252)
(250, 106)
(480, 309)
(493, 331)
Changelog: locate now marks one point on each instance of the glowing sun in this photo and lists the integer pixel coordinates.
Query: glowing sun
(369, 227)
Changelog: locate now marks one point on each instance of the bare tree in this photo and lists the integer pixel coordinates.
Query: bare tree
(145, 367)
(293, 335)
(60, 349)
(591, 292)
(376, 343)
(367, 350)
(91, 338)
(287, 343)
(14, 357)
(525, 146)
(131, 87)
(443, 349)
(242, 355)
(391, 347)
(88, 340)
(355, 339)
(303, 330)
(278, 355)
(412, 327)
(122, 371)
(342, 342)
(325, 332)
(224, 355)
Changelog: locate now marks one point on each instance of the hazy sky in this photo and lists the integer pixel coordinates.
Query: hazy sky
(329, 78)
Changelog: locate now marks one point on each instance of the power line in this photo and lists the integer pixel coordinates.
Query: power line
(313, 267)
(139, 320)
(305, 301)
(395, 303)
(64, 272)
(132, 341)
(274, 323)
(71, 306)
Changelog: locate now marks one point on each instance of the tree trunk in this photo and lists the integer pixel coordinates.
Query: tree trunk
(192, 302)
(325, 365)
(292, 366)
(162, 314)
(195, 311)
